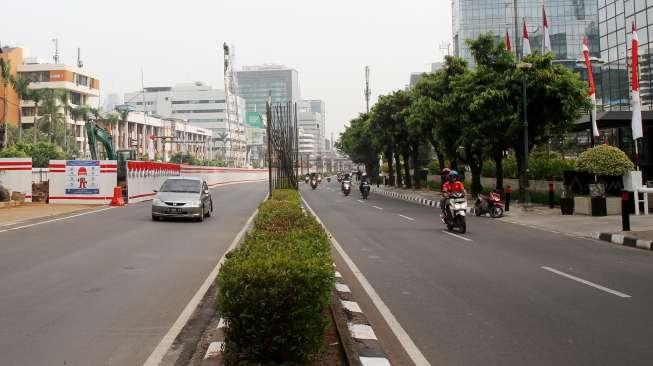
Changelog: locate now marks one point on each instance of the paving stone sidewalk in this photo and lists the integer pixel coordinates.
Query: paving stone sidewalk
(29, 211)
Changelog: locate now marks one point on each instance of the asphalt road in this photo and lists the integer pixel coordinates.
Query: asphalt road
(103, 288)
(503, 295)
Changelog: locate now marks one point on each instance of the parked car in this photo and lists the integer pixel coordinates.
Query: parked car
(182, 197)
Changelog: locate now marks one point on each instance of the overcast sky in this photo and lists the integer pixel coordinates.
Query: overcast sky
(329, 41)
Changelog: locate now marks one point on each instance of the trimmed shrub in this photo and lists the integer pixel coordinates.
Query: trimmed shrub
(604, 160)
(275, 289)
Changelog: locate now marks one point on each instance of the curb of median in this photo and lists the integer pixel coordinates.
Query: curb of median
(624, 240)
(407, 197)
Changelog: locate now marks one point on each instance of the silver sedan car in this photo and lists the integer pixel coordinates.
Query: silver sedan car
(182, 197)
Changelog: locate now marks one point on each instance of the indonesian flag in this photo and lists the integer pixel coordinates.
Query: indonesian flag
(527, 43)
(592, 89)
(636, 102)
(546, 41)
(508, 46)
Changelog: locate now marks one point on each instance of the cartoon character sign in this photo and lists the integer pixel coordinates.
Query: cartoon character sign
(83, 177)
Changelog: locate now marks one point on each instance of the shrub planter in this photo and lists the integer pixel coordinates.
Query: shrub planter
(598, 206)
(583, 205)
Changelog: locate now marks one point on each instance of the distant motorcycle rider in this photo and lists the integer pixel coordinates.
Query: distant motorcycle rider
(453, 184)
(363, 181)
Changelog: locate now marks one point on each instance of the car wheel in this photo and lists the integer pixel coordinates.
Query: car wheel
(201, 218)
(208, 212)
(155, 218)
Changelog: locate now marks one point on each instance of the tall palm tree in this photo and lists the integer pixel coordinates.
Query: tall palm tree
(5, 79)
(64, 97)
(113, 119)
(81, 112)
(124, 114)
(52, 116)
(36, 95)
(21, 87)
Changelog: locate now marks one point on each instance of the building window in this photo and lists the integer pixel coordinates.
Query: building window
(76, 98)
(28, 111)
(81, 79)
(37, 76)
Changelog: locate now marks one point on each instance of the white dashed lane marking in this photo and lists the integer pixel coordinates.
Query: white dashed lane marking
(377, 207)
(586, 282)
(407, 218)
(457, 236)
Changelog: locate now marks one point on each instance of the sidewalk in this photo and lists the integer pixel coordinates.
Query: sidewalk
(29, 211)
(607, 228)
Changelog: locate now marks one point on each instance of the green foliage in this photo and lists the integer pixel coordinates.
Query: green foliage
(12, 152)
(41, 153)
(604, 160)
(276, 288)
(542, 167)
(184, 158)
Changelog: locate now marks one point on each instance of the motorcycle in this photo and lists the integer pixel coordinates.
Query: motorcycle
(365, 190)
(313, 183)
(328, 179)
(455, 212)
(491, 204)
(319, 179)
(306, 179)
(346, 187)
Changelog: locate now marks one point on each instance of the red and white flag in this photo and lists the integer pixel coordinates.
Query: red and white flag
(526, 42)
(546, 41)
(508, 46)
(636, 103)
(592, 88)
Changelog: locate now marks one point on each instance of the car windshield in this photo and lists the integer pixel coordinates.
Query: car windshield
(181, 186)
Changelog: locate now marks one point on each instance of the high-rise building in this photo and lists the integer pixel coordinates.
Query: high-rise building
(256, 83)
(111, 101)
(569, 21)
(310, 118)
(202, 106)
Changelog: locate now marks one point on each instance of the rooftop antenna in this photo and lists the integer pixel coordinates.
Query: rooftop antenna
(367, 89)
(56, 50)
(80, 64)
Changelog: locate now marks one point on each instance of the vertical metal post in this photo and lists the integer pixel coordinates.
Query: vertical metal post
(525, 125)
(269, 116)
(625, 211)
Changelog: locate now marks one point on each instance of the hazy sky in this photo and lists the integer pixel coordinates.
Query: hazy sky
(329, 41)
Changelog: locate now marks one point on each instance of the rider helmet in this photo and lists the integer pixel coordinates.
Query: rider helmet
(453, 174)
(445, 172)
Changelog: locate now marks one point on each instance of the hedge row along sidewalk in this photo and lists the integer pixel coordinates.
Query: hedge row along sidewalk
(275, 289)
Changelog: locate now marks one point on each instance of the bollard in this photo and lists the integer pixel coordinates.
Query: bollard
(551, 196)
(117, 199)
(507, 195)
(625, 211)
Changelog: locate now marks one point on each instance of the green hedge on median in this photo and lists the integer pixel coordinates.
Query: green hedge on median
(276, 287)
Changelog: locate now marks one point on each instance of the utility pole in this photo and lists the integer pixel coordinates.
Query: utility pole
(517, 44)
(368, 92)
(56, 50)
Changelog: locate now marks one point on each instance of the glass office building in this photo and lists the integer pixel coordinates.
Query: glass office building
(615, 22)
(569, 22)
(255, 83)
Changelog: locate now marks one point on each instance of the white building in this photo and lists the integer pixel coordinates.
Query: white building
(310, 118)
(160, 137)
(202, 106)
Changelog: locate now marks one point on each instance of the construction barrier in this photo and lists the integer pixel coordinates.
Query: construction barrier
(144, 177)
(215, 176)
(16, 176)
(82, 181)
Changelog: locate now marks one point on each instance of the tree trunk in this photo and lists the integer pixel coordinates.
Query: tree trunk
(498, 162)
(4, 118)
(476, 168)
(415, 154)
(391, 173)
(405, 151)
(438, 153)
(20, 123)
(398, 167)
(36, 119)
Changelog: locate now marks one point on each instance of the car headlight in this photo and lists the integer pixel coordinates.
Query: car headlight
(195, 203)
(157, 202)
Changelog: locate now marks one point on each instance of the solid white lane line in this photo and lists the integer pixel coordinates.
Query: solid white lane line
(166, 342)
(407, 218)
(411, 348)
(585, 282)
(457, 236)
(378, 208)
(53, 220)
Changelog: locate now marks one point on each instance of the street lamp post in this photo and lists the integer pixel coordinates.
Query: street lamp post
(524, 67)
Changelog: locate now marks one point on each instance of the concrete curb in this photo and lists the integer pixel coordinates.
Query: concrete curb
(362, 347)
(628, 241)
(407, 197)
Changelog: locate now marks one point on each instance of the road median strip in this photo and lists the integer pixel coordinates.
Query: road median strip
(629, 241)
